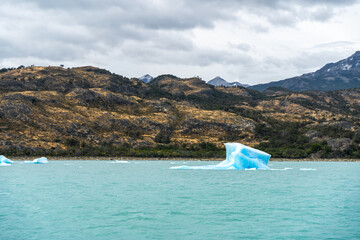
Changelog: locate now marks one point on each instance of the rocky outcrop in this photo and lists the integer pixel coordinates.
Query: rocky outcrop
(313, 135)
(15, 110)
(340, 144)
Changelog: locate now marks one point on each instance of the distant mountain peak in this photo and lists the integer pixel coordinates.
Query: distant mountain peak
(219, 81)
(333, 76)
(356, 54)
(146, 78)
(350, 63)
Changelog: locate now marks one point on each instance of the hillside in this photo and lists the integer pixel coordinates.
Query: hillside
(90, 111)
(333, 76)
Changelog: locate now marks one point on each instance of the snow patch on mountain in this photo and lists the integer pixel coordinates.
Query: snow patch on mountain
(218, 81)
(146, 78)
(333, 76)
(346, 67)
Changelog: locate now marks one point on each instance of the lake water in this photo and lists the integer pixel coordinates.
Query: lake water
(147, 200)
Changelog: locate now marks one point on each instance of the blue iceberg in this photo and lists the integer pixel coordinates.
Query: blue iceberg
(238, 156)
(41, 160)
(5, 161)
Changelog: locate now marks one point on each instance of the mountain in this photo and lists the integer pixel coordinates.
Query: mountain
(146, 78)
(218, 81)
(88, 111)
(333, 76)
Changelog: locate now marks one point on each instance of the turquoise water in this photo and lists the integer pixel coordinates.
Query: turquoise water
(147, 200)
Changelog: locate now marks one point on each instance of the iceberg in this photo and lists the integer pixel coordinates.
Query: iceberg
(4, 161)
(121, 161)
(238, 156)
(41, 160)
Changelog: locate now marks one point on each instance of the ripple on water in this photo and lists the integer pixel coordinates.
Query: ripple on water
(150, 201)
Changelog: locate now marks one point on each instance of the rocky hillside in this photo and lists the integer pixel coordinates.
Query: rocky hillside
(333, 76)
(90, 111)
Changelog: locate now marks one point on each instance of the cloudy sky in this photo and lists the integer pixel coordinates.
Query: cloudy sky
(251, 41)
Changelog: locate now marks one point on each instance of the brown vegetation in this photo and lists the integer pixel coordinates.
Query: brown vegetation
(56, 109)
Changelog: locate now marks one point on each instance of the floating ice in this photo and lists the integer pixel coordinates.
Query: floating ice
(238, 156)
(41, 160)
(4, 161)
(280, 169)
(4, 164)
(250, 169)
(121, 161)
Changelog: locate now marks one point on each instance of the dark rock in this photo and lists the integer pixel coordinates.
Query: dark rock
(114, 99)
(85, 96)
(344, 125)
(21, 97)
(14, 109)
(312, 135)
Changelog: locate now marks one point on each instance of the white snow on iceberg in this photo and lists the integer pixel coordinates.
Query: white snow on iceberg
(238, 156)
(41, 160)
(5, 161)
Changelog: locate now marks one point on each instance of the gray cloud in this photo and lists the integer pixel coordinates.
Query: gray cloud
(185, 14)
(245, 47)
(143, 32)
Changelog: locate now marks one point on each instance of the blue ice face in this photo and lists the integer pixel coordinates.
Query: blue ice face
(41, 160)
(238, 156)
(243, 157)
(4, 160)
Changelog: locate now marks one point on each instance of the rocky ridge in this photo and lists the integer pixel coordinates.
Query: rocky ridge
(54, 110)
(333, 76)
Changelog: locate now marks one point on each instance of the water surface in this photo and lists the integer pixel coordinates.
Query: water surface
(147, 200)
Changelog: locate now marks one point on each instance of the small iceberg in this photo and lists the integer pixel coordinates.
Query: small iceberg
(41, 160)
(238, 156)
(4, 161)
(121, 161)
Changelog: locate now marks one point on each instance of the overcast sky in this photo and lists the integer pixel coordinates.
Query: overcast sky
(251, 41)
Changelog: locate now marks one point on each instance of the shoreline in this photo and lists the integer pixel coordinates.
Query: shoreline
(22, 158)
